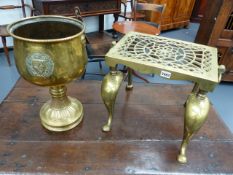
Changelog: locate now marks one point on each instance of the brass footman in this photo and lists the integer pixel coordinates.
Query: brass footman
(171, 59)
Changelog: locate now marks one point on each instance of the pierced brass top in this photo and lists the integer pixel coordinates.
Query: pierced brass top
(169, 58)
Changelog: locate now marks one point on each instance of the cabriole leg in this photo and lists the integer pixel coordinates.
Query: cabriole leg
(109, 89)
(6, 50)
(129, 85)
(194, 91)
(195, 88)
(196, 112)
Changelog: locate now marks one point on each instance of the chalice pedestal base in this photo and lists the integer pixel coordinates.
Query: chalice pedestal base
(61, 113)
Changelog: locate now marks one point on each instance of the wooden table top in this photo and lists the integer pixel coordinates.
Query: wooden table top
(136, 26)
(145, 137)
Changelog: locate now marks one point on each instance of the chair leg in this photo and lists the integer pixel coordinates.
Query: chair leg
(100, 65)
(140, 77)
(131, 72)
(114, 35)
(6, 50)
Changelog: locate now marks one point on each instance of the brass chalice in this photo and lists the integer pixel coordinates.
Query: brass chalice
(50, 51)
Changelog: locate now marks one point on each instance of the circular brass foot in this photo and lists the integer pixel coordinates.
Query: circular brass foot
(61, 116)
(106, 128)
(129, 87)
(182, 158)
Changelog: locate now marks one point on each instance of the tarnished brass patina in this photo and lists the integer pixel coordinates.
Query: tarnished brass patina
(171, 59)
(50, 51)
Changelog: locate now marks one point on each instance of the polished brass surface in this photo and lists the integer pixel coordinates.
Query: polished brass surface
(196, 112)
(129, 85)
(109, 89)
(50, 51)
(170, 59)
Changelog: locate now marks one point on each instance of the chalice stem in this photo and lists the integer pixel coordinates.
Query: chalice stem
(61, 113)
(196, 112)
(109, 89)
(59, 97)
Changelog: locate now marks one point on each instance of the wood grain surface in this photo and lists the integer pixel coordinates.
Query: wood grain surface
(145, 137)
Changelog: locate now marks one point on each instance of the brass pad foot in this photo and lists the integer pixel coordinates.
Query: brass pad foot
(57, 118)
(182, 158)
(106, 128)
(129, 87)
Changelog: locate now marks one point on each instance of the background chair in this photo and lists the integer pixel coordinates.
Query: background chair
(130, 15)
(3, 30)
(142, 26)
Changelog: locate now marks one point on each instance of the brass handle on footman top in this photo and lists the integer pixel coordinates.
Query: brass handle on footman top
(50, 51)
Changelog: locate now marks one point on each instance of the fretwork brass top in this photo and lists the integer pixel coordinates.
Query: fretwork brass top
(169, 58)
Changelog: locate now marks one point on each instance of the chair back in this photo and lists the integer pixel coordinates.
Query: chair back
(158, 8)
(21, 6)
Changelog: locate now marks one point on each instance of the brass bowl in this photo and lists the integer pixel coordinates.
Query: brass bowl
(50, 51)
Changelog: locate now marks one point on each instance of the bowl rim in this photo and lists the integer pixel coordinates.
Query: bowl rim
(11, 27)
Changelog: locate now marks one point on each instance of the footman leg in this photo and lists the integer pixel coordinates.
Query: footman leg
(196, 112)
(194, 91)
(109, 89)
(129, 86)
(195, 88)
